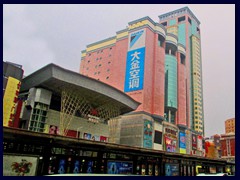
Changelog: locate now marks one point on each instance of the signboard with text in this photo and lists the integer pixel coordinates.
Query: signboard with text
(135, 61)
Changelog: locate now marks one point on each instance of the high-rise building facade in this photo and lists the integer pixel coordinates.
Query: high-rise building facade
(230, 126)
(156, 63)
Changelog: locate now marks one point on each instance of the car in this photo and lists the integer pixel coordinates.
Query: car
(212, 174)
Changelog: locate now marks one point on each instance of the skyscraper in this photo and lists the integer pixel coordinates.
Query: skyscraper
(156, 63)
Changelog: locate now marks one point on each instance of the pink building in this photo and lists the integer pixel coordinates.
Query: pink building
(158, 64)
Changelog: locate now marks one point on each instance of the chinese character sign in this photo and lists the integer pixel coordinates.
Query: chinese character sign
(10, 100)
(134, 70)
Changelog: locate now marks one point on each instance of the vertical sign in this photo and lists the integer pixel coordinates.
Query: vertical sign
(10, 100)
(147, 134)
(135, 61)
(182, 142)
(194, 142)
(199, 143)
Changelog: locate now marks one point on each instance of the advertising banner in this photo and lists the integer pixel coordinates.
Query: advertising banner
(19, 165)
(199, 143)
(136, 39)
(62, 166)
(194, 142)
(135, 61)
(53, 129)
(182, 142)
(170, 144)
(87, 136)
(134, 70)
(10, 100)
(76, 168)
(171, 169)
(147, 134)
(103, 139)
(119, 167)
(96, 138)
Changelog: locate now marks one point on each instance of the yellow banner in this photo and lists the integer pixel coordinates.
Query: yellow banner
(182, 151)
(9, 100)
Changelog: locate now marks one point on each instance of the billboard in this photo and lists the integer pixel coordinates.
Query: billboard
(103, 139)
(76, 167)
(62, 166)
(134, 70)
(171, 169)
(87, 136)
(199, 143)
(119, 167)
(147, 134)
(194, 142)
(136, 39)
(10, 100)
(182, 142)
(135, 61)
(170, 143)
(19, 165)
(96, 138)
(53, 129)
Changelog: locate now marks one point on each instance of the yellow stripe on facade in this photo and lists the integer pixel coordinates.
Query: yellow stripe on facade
(173, 29)
(84, 54)
(171, 39)
(123, 34)
(160, 29)
(180, 48)
(101, 44)
(141, 23)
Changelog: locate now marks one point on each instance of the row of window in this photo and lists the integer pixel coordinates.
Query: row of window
(100, 51)
(197, 117)
(198, 127)
(173, 14)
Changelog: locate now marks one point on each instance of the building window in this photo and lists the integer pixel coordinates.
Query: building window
(182, 59)
(189, 20)
(109, 62)
(39, 117)
(164, 23)
(107, 77)
(181, 19)
(161, 40)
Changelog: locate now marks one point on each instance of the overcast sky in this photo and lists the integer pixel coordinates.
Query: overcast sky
(36, 35)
